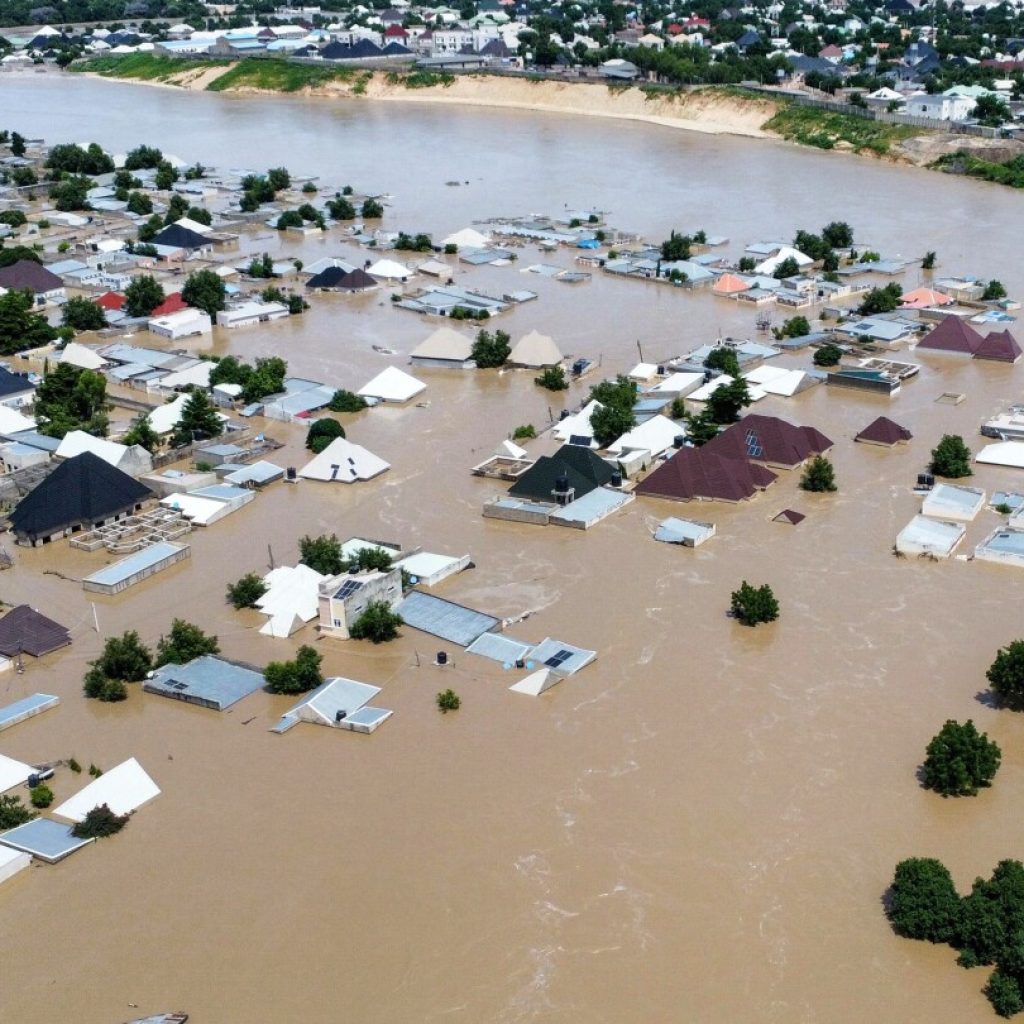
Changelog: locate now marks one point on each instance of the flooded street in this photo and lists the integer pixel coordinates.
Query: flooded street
(697, 828)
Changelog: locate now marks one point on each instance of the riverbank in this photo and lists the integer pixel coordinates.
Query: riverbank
(713, 110)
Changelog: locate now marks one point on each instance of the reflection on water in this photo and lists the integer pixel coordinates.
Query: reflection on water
(698, 827)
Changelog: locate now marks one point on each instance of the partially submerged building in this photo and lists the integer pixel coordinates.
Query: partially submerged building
(344, 462)
(343, 598)
(124, 789)
(338, 703)
(770, 440)
(445, 349)
(949, 501)
(535, 351)
(208, 681)
(933, 538)
(80, 494)
(570, 473)
(392, 385)
(885, 432)
(23, 630)
(703, 475)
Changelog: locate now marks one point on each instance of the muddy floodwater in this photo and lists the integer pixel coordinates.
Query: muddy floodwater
(697, 828)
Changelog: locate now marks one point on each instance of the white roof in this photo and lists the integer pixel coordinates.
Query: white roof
(231, 390)
(165, 418)
(392, 385)
(948, 501)
(679, 383)
(13, 773)
(79, 355)
(924, 536)
(198, 374)
(77, 441)
(578, 423)
(344, 461)
(643, 371)
(536, 683)
(654, 435)
(194, 225)
(786, 252)
(201, 511)
(535, 350)
(11, 421)
(123, 789)
(425, 564)
(776, 380)
(184, 316)
(292, 598)
(445, 343)
(702, 394)
(511, 450)
(12, 861)
(467, 238)
(389, 269)
(1004, 453)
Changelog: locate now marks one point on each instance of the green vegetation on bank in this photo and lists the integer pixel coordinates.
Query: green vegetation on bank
(420, 79)
(826, 129)
(145, 66)
(961, 162)
(277, 76)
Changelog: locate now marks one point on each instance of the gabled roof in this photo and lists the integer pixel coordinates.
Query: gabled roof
(24, 630)
(85, 489)
(729, 284)
(13, 383)
(699, 473)
(922, 298)
(173, 303)
(999, 346)
(769, 439)
(884, 431)
(27, 274)
(951, 334)
(180, 238)
(584, 471)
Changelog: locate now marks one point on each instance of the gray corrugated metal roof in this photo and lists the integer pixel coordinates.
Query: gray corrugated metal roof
(116, 572)
(503, 649)
(444, 619)
(44, 838)
(208, 680)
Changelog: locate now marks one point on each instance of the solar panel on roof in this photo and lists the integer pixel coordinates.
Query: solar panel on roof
(754, 449)
(348, 588)
(558, 658)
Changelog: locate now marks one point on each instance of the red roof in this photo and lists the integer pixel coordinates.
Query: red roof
(110, 300)
(699, 473)
(1000, 346)
(951, 334)
(769, 439)
(395, 32)
(172, 304)
(674, 29)
(884, 431)
(831, 51)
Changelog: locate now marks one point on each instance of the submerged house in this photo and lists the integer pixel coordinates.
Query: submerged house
(445, 349)
(770, 440)
(701, 474)
(951, 334)
(343, 598)
(338, 703)
(80, 494)
(884, 431)
(573, 471)
(344, 461)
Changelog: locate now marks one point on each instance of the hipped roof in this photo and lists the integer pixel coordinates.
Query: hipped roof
(951, 334)
(769, 439)
(884, 431)
(699, 473)
(585, 472)
(445, 343)
(24, 630)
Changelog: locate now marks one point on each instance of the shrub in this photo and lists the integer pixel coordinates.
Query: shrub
(951, 457)
(321, 433)
(346, 401)
(74, 766)
(993, 290)
(13, 813)
(124, 659)
(378, 623)
(448, 700)
(553, 379)
(246, 591)
(828, 355)
(960, 760)
(99, 823)
(95, 771)
(928, 263)
(751, 605)
(524, 432)
(41, 795)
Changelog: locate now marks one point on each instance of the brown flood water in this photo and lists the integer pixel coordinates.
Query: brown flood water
(697, 828)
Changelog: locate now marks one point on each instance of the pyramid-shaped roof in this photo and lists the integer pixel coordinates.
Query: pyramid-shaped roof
(584, 470)
(999, 346)
(951, 334)
(357, 280)
(769, 439)
(884, 431)
(81, 491)
(729, 284)
(329, 277)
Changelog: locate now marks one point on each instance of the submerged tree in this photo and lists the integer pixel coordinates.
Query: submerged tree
(960, 760)
(323, 554)
(1006, 674)
(752, 605)
(951, 457)
(491, 350)
(378, 623)
(819, 476)
(924, 903)
(199, 421)
(296, 676)
(184, 642)
(246, 591)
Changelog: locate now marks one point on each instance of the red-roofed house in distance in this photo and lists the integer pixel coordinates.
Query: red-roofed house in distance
(112, 302)
(173, 303)
(999, 347)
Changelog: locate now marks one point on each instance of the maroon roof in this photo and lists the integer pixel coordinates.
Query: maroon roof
(24, 630)
(31, 275)
(699, 473)
(769, 439)
(356, 281)
(951, 334)
(787, 515)
(1000, 346)
(884, 431)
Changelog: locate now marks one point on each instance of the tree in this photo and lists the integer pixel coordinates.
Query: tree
(41, 795)
(71, 193)
(13, 813)
(751, 605)
(960, 760)
(928, 263)
(13, 218)
(700, 428)
(246, 591)
(279, 178)
(267, 378)
(17, 144)
(141, 432)
(795, 327)
(139, 203)
(746, 264)
(124, 659)
(199, 215)
(20, 327)
(881, 300)
(70, 398)
(296, 676)
(838, 234)
(991, 110)
(323, 554)
(143, 157)
(675, 247)
(142, 296)
(289, 219)
(375, 558)
(787, 268)
(726, 401)
(552, 378)
(321, 433)
(204, 290)
(378, 623)
(1006, 674)
(828, 355)
(448, 700)
(490, 350)
(1005, 994)
(341, 209)
(165, 176)
(199, 421)
(99, 823)
(819, 475)
(610, 422)
(150, 229)
(724, 360)
(176, 209)
(184, 643)
(346, 401)
(993, 290)
(811, 245)
(924, 903)
(951, 457)
(372, 209)
(82, 314)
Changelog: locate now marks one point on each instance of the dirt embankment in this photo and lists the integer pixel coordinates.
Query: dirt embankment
(923, 150)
